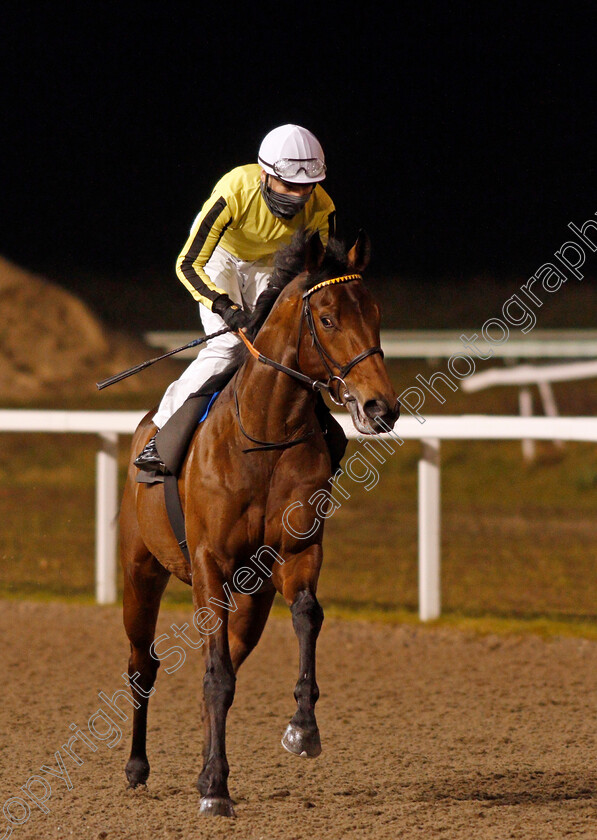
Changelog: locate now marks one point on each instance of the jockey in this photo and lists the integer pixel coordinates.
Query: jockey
(228, 258)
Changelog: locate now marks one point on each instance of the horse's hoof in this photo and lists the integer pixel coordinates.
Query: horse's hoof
(137, 771)
(301, 742)
(216, 806)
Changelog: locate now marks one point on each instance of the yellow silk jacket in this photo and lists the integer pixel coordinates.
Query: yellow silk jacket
(237, 218)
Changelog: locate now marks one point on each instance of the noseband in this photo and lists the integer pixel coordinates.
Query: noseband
(328, 361)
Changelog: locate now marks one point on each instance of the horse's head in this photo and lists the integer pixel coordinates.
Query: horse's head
(337, 347)
(340, 342)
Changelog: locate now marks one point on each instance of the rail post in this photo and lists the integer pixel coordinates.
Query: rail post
(525, 404)
(429, 531)
(106, 510)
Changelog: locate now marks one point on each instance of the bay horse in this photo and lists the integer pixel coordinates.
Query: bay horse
(260, 449)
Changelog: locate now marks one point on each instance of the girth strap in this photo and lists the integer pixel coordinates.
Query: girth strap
(177, 523)
(175, 514)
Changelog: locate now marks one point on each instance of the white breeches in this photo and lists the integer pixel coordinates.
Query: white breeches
(243, 282)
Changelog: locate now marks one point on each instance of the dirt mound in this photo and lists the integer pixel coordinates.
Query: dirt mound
(51, 342)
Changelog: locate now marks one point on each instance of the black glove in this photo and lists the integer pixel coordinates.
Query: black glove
(233, 315)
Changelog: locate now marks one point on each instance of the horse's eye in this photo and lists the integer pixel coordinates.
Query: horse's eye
(327, 322)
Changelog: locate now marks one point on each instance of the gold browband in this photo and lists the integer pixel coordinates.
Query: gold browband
(344, 279)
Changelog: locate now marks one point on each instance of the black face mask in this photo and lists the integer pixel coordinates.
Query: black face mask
(282, 205)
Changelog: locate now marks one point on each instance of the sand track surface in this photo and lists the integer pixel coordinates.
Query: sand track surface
(426, 733)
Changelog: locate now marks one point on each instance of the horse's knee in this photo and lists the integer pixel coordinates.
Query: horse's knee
(306, 612)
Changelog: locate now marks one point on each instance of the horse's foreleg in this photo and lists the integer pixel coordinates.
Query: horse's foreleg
(302, 735)
(218, 694)
(246, 624)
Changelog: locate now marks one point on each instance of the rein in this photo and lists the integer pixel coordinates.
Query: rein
(326, 358)
(266, 444)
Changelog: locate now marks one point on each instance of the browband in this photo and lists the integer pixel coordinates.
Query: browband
(344, 279)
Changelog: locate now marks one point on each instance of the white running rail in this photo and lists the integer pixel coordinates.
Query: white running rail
(439, 344)
(110, 424)
(525, 376)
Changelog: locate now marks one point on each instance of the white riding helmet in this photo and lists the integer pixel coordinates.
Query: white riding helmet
(293, 154)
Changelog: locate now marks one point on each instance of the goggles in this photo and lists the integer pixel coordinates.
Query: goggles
(290, 167)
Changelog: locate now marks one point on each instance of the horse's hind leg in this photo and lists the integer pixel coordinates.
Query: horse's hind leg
(144, 583)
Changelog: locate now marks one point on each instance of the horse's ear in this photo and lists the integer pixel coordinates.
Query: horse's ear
(314, 253)
(360, 253)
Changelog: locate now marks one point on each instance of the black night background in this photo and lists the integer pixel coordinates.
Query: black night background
(460, 136)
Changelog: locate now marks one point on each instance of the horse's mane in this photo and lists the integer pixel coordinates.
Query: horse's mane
(289, 262)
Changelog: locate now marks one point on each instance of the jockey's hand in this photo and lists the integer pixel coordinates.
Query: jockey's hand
(234, 316)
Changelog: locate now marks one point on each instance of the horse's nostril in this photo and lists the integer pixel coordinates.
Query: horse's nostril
(381, 414)
(375, 409)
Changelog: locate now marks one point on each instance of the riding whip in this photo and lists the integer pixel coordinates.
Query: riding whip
(138, 368)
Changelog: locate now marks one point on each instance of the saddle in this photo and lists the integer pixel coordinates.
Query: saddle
(172, 442)
(173, 439)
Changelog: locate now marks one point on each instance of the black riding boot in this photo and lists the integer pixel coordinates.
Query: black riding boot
(165, 452)
(149, 459)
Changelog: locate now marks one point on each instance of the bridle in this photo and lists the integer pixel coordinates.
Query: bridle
(334, 381)
(326, 358)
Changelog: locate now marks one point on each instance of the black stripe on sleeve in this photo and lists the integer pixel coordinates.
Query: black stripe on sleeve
(197, 244)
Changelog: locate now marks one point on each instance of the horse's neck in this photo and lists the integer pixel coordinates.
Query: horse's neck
(274, 403)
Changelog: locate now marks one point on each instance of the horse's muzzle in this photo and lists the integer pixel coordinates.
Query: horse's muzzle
(381, 414)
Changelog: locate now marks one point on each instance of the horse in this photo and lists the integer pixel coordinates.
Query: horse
(259, 453)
